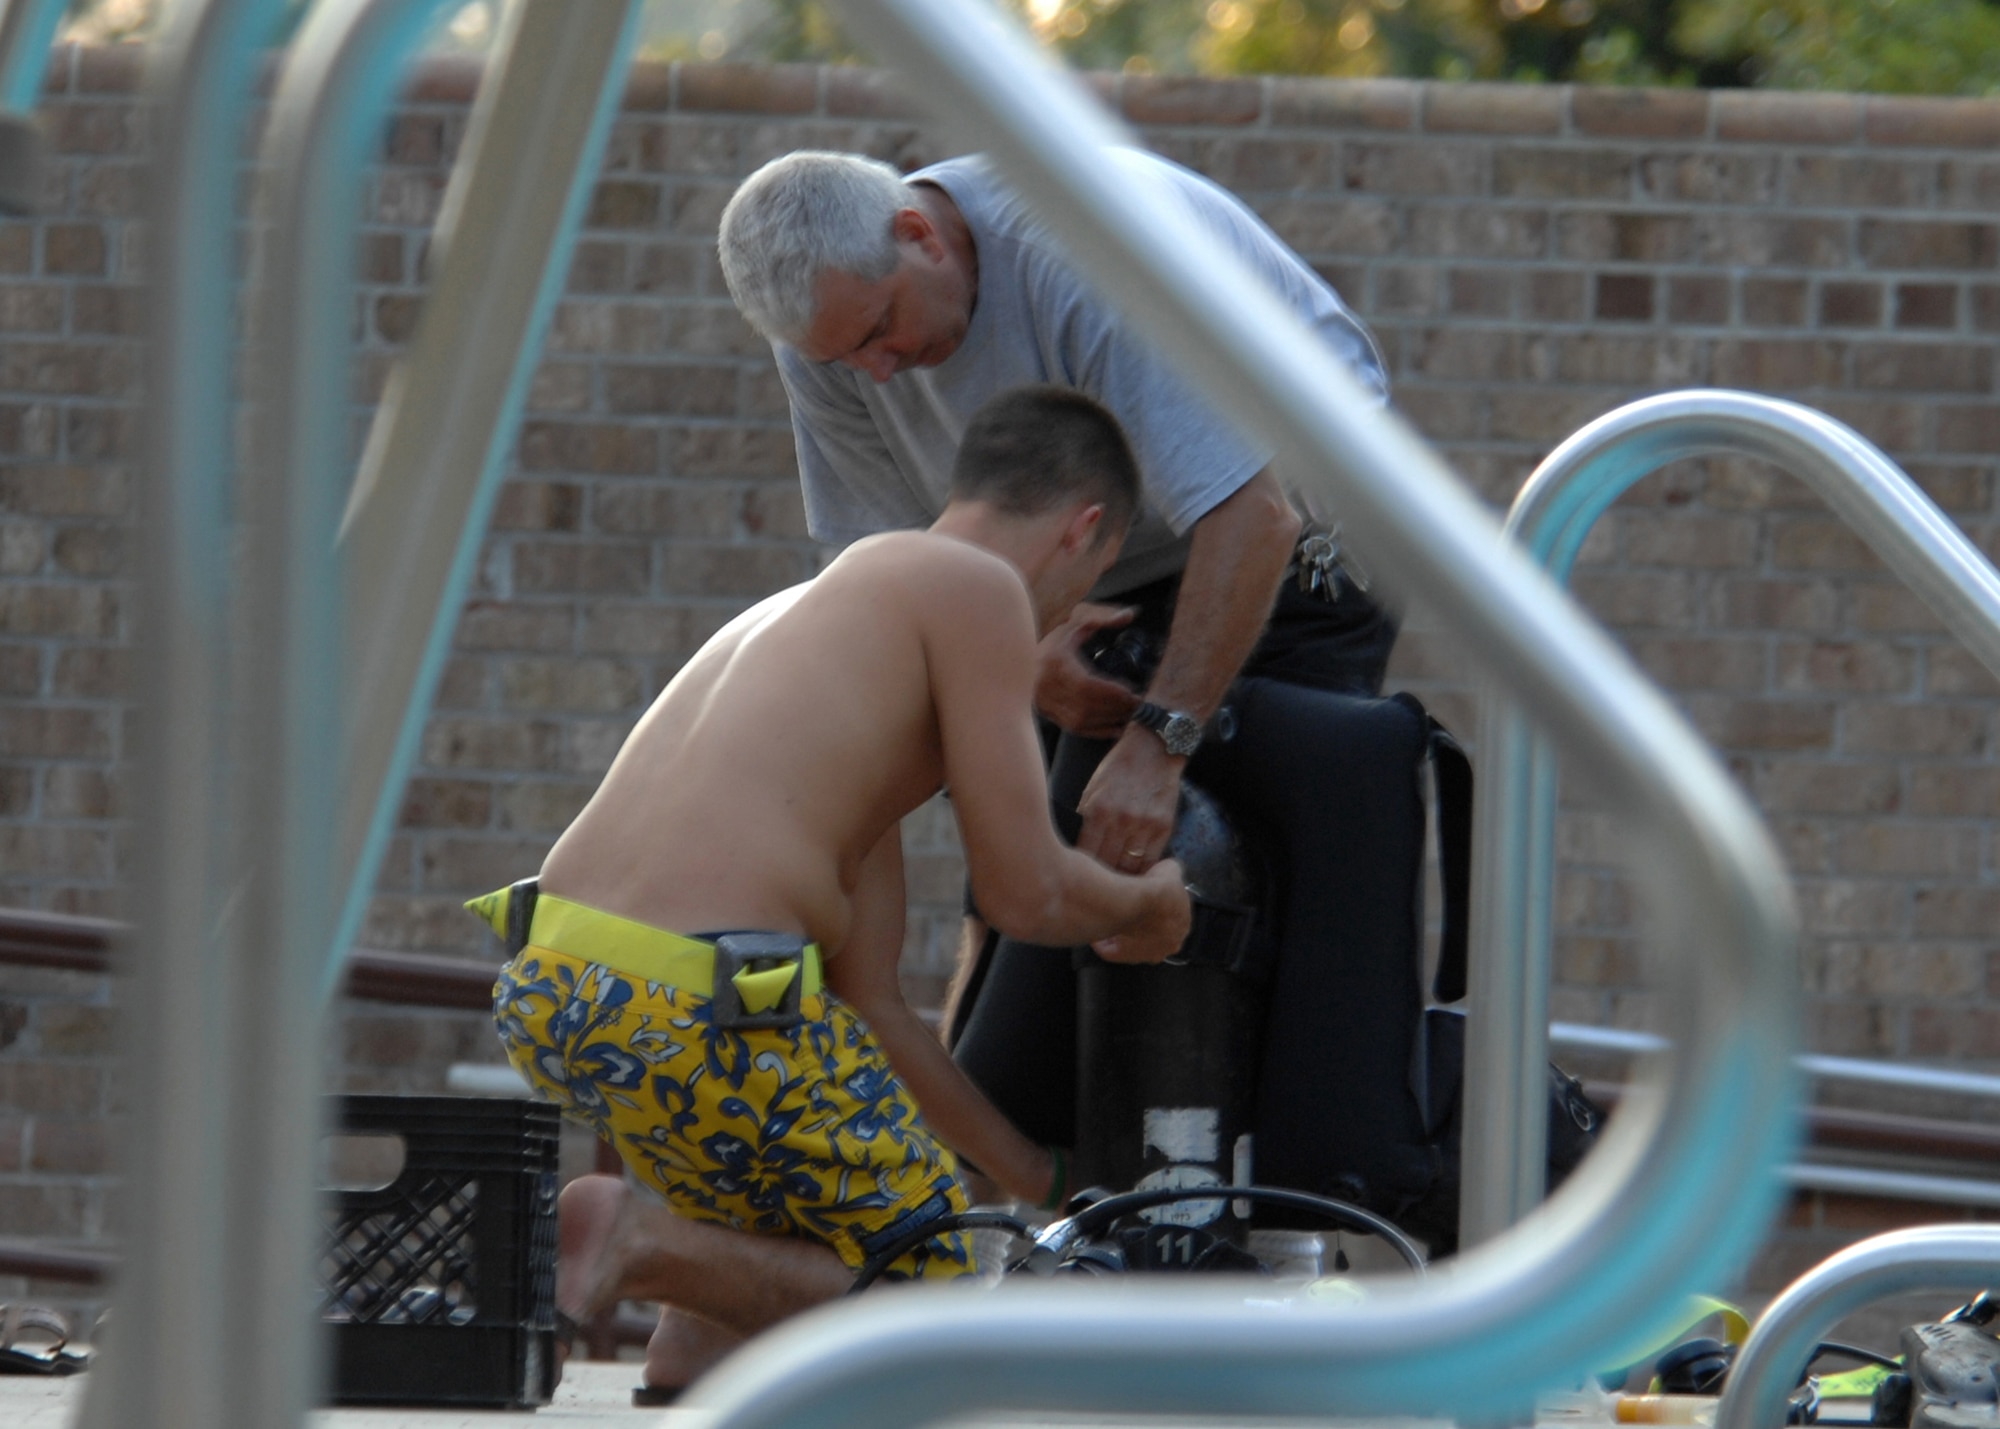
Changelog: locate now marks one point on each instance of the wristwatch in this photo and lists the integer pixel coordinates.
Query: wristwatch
(1177, 729)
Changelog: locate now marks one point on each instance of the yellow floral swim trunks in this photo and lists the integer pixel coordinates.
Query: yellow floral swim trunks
(803, 1130)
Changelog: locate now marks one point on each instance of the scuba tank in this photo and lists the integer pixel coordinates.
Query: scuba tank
(1167, 1053)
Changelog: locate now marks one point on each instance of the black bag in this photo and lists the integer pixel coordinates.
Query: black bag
(1358, 1091)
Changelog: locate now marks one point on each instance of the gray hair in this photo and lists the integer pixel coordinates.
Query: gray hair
(798, 217)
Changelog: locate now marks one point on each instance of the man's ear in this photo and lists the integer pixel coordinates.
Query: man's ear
(1081, 531)
(913, 225)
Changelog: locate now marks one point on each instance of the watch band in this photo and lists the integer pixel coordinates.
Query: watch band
(1178, 730)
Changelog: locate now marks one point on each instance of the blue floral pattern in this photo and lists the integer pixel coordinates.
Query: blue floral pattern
(802, 1131)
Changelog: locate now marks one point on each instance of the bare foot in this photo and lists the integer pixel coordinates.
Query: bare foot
(684, 1347)
(589, 1215)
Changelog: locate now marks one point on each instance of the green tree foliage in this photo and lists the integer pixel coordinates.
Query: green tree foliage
(1879, 46)
(1900, 46)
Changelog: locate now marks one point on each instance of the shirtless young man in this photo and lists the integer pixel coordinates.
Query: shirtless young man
(763, 790)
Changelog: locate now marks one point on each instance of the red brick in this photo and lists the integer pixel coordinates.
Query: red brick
(1952, 731)
(446, 803)
(750, 571)
(1950, 671)
(1932, 123)
(1493, 109)
(1772, 239)
(1424, 166)
(1950, 910)
(624, 203)
(1680, 538)
(1657, 599)
(1927, 243)
(1698, 301)
(1763, 724)
(92, 672)
(1553, 296)
(1908, 851)
(1892, 608)
(1477, 292)
(1187, 99)
(1850, 304)
(1777, 364)
(1774, 302)
(681, 510)
(1848, 181)
(543, 806)
(1924, 366)
(496, 744)
(749, 89)
(1955, 1032)
(580, 568)
(1702, 662)
(1613, 237)
(1710, 175)
(1845, 667)
(1252, 165)
(499, 625)
(1344, 103)
(1818, 786)
(539, 505)
(1522, 173)
(1926, 305)
(569, 685)
(1317, 226)
(1769, 116)
(1625, 297)
(681, 389)
(1640, 113)
(1412, 291)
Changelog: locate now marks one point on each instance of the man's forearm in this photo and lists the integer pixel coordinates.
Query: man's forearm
(956, 1110)
(1237, 557)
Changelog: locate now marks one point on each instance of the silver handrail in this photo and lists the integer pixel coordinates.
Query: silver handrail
(1683, 1182)
(194, 1290)
(1962, 1259)
(1506, 1035)
(442, 436)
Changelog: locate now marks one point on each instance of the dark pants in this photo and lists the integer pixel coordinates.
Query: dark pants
(1015, 1032)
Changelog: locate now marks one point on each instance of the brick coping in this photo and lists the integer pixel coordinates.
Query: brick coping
(1260, 102)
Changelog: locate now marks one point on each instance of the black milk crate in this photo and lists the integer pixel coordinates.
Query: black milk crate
(441, 1285)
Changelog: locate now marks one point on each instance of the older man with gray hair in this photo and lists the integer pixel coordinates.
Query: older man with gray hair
(897, 306)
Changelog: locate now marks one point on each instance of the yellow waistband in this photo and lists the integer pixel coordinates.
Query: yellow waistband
(655, 954)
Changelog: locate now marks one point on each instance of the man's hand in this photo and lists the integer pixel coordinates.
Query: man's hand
(1129, 805)
(1067, 690)
(1164, 928)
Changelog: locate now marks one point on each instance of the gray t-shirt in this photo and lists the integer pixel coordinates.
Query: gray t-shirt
(877, 456)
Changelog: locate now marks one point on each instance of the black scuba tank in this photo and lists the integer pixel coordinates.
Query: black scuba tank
(1167, 1053)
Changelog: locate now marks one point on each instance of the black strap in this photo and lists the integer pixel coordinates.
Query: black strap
(1451, 772)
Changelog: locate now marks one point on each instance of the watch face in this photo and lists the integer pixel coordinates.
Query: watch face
(1182, 734)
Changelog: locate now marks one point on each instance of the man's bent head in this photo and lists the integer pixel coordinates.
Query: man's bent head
(1045, 477)
(1033, 449)
(834, 255)
(799, 217)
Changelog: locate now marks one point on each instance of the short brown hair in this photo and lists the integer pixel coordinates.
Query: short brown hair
(1032, 448)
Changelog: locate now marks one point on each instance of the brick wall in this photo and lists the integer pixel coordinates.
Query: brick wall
(1530, 257)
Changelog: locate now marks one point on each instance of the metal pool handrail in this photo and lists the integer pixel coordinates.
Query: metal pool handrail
(1507, 1031)
(1684, 1180)
(1962, 1259)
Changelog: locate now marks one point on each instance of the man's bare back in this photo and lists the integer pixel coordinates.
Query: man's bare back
(761, 783)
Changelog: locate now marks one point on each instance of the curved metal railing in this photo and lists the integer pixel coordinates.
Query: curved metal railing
(1685, 1179)
(1956, 1258)
(1673, 1198)
(1507, 1031)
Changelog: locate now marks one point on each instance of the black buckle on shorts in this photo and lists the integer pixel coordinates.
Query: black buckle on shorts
(757, 952)
(521, 913)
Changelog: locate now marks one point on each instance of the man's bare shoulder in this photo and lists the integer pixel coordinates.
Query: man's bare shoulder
(943, 577)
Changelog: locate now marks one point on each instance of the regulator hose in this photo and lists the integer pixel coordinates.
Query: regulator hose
(1054, 1240)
